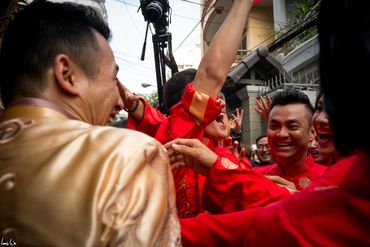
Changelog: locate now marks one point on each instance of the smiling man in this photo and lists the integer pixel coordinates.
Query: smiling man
(263, 151)
(289, 132)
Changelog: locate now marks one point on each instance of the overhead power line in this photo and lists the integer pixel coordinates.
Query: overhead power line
(196, 25)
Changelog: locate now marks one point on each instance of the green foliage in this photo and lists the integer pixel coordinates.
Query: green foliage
(301, 9)
(299, 16)
(152, 99)
(120, 116)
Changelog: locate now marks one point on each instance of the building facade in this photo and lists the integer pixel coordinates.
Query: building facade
(286, 29)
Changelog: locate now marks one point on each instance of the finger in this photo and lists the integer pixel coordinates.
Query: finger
(235, 145)
(176, 157)
(279, 180)
(258, 103)
(170, 152)
(123, 91)
(133, 97)
(242, 154)
(269, 100)
(172, 159)
(180, 141)
(241, 114)
(121, 87)
(177, 165)
(183, 149)
(256, 109)
(263, 103)
(187, 142)
(168, 145)
(234, 148)
(237, 112)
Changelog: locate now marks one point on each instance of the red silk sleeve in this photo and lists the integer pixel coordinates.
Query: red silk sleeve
(220, 230)
(151, 120)
(188, 118)
(230, 188)
(333, 212)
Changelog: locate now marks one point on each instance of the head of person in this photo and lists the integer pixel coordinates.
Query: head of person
(263, 150)
(322, 148)
(344, 37)
(60, 52)
(219, 129)
(289, 127)
(318, 157)
(173, 90)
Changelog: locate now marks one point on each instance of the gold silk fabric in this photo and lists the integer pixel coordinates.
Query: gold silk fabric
(64, 183)
(198, 106)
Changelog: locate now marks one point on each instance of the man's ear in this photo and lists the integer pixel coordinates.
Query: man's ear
(312, 135)
(65, 73)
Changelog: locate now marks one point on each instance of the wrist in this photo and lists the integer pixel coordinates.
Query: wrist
(133, 107)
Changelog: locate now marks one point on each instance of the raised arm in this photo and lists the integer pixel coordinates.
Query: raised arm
(263, 107)
(221, 53)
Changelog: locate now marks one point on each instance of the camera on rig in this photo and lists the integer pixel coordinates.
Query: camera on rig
(154, 10)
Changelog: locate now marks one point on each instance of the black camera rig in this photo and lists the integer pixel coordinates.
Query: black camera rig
(156, 12)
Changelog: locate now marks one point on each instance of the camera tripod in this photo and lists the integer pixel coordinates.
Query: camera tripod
(161, 39)
(160, 42)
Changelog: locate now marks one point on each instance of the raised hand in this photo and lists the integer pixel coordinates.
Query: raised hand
(262, 107)
(237, 120)
(233, 148)
(128, 98)
(191, 153)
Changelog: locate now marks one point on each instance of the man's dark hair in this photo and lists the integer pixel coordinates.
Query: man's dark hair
(37, 34)
(174, 88)
(259, 138)
(344, 34)
(292, 96)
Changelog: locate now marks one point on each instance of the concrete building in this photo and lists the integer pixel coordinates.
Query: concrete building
(187, 57)
(272, 56)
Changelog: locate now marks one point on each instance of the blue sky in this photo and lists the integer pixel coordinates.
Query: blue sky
(128, 28)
